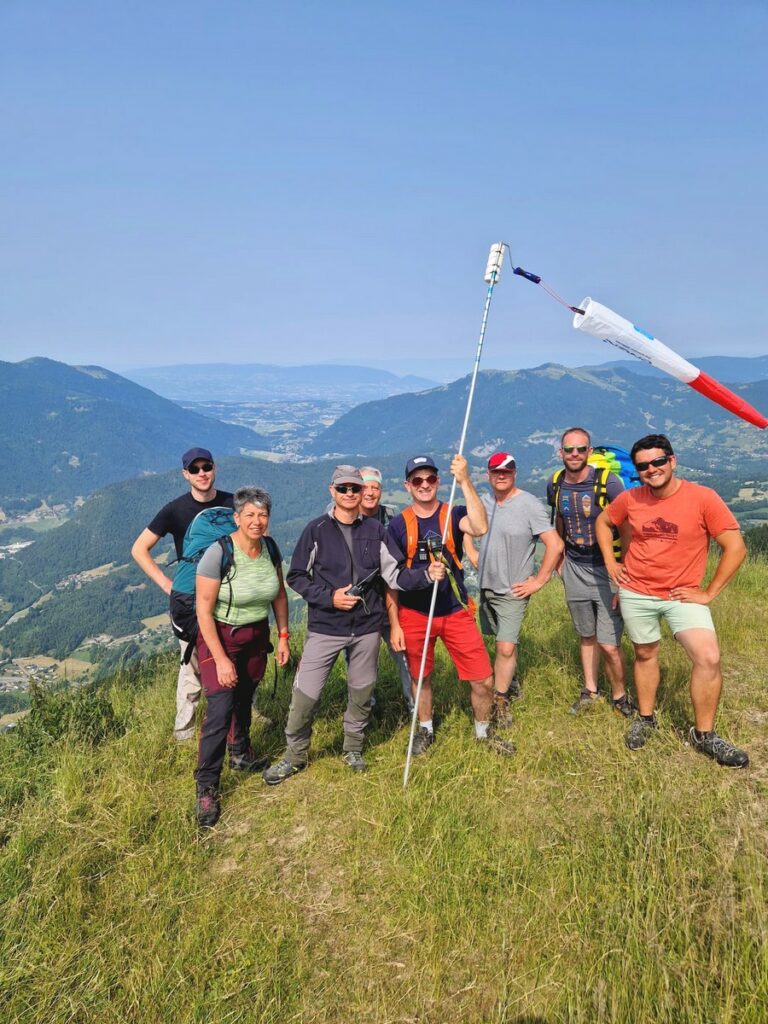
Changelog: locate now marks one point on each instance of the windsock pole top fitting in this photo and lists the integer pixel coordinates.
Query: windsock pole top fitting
(495, 260)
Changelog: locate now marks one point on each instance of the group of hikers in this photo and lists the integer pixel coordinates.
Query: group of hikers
(628, 558)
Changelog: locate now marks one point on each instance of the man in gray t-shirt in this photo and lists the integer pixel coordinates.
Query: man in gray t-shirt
(505, 567)
(588, 590)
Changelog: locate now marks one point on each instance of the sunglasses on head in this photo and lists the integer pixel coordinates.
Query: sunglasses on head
(569, 449)
(419, 481)
(347, 488)
(661, 461)
(202, 467)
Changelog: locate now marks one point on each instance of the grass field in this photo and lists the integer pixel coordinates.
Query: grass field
(576, 882)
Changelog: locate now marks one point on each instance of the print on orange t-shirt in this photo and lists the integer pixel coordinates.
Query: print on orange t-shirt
(670, 536)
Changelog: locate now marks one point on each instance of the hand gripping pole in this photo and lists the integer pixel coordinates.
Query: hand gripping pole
(491, 276)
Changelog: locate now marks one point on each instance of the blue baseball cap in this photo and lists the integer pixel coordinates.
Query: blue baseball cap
(195, 453)
(419, 462)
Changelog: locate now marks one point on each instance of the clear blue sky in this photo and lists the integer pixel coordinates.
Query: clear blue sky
(291, 182)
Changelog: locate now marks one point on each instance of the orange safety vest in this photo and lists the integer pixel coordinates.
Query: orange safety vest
(411, 521)
(412, 533)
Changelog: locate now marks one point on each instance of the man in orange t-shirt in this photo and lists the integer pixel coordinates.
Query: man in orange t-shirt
(669, 524)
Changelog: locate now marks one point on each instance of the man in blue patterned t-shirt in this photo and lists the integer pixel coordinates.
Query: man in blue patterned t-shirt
(588, 590)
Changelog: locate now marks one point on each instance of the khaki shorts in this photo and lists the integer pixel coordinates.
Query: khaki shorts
(501, 615)
(643, 614)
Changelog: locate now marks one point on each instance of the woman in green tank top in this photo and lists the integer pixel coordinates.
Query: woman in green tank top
(233, 602)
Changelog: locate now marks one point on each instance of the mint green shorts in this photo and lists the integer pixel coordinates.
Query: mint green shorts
(643, 614)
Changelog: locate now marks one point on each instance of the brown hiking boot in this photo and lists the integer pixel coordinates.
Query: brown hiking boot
(501, 715)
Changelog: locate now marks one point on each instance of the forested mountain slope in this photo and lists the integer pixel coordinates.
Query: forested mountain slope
(67, 430)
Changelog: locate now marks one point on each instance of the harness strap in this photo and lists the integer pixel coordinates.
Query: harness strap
(411, 521)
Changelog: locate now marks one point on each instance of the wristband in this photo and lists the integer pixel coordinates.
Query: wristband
(283, 634)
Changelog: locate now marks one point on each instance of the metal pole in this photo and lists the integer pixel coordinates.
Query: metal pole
(492, 271)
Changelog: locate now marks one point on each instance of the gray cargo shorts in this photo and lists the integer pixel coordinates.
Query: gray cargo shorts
(501, 615)
(590, 594)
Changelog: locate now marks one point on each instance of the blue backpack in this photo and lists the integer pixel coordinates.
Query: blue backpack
(210, 526)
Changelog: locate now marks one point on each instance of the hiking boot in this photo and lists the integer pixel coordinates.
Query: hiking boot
(499, 746)
(718, 749)
(515, 691)
(354, 759)
(500, 713)
(624, 706)
(422, 741)
(281, 770)
(587, 699)
(248, 761)
(208, 808)
(639, 731)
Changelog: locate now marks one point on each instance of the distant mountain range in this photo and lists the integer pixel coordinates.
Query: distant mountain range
(260, 382)
(67, 430)
(525, 411)
(70, 430)
(728, 369)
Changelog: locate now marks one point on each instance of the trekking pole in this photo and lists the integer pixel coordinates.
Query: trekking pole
(492, 272)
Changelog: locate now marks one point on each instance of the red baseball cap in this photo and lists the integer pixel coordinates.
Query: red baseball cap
(502, 460)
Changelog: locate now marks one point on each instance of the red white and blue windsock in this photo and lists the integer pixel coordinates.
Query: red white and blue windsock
(603, 323)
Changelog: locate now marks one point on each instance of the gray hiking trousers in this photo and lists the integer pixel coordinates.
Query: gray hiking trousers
(317, 659)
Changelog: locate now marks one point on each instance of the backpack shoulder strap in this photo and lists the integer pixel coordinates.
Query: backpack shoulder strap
(411, 534)
(601, 487)
(227, 555)
(557, 479)
(227, 565)
(272, 549)
(450, 541)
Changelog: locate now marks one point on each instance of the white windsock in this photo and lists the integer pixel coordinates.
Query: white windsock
(603, 323)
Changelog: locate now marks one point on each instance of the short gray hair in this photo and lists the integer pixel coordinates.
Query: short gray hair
(252, 496)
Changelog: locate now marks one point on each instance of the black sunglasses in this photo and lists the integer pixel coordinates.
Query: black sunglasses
(569, 449)
(347, 488)
(202, 467)
(661, 461)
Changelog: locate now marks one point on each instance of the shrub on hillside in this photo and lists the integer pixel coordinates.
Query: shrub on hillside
(84, 714)
(757, 540)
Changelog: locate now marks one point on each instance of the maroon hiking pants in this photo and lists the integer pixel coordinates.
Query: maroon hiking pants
(227, 719)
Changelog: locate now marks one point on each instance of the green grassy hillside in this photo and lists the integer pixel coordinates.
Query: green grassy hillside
(574, 883)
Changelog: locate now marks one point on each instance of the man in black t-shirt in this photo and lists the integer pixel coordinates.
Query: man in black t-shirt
(199, 470)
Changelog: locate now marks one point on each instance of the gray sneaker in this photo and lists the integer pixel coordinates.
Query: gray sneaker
(422, 741)
(587, 699)
(495, 743)
(638, 732)
(281, 770)
(354, 759)
(718, 749)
